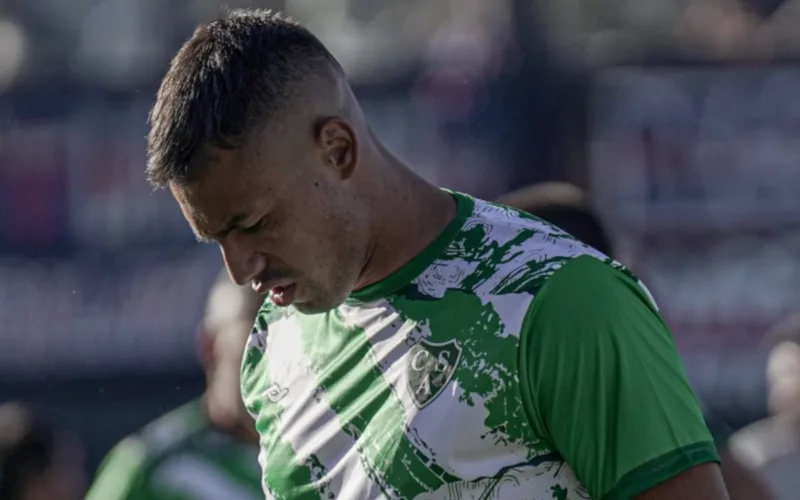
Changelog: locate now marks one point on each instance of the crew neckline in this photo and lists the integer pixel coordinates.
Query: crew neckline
(414, 267)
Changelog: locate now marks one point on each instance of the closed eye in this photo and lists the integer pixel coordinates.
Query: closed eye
(255, 227)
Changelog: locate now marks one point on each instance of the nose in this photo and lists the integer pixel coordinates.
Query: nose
(243, 264)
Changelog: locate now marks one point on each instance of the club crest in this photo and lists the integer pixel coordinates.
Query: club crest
(430, 368)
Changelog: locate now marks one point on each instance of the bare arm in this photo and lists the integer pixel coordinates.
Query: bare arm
(703, 482)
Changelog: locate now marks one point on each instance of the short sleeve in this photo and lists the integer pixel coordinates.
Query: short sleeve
(603, 384)
(720, 431)
(120, 475)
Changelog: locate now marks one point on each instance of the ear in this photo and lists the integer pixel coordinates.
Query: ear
(339, 145)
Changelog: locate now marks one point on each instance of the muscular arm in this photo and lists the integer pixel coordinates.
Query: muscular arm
(603, 383)
(700, 483)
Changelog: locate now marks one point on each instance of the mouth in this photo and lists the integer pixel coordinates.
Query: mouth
(281, 292)
(283, 296)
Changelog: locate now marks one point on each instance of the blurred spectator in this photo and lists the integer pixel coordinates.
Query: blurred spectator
(568, 207)
(36, 461)
(772, 446)
(565, 206)
(205, 449)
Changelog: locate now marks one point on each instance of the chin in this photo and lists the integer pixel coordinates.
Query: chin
(314, 308)
(320, 304)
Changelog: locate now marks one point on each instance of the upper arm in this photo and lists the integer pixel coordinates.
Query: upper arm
(603, 383)
(699, 483)
(120, 476)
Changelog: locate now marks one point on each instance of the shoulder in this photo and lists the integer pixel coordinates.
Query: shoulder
(500, 251)
(519, 252)
(602, 285)
(167, 434)
(121, 475)
(588, 301)
(505, 256)
(600, 309)
(130, 463)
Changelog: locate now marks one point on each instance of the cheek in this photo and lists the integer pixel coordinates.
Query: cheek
(317, 232)
(297, 244)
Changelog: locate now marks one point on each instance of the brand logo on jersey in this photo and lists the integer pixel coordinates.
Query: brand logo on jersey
(430, 367)
(275, 393)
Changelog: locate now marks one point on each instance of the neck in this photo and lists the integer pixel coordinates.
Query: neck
(408, 215)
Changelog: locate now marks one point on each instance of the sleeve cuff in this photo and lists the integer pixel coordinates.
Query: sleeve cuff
(662, 468)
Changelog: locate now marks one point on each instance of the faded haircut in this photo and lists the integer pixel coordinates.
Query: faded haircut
(231, 78)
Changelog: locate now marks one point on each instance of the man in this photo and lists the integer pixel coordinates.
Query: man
(36, 461)
(417, 343)
(772, 446)
(569, 208)
(205, 449)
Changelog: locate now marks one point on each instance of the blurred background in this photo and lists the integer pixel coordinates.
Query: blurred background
(681, 118)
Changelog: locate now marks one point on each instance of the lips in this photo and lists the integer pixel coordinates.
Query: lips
(281, 291)
(264, 286)
(283, 296)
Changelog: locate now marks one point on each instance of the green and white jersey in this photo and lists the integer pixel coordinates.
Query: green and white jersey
(179, 457)
(506, 361)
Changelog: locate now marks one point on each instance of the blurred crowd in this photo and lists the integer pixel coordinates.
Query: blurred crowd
(675, 123)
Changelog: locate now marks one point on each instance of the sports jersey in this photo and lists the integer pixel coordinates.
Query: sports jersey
(179, 457)
(507, 360)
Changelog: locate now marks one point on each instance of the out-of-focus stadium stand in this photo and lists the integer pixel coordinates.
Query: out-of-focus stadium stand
(681, 117)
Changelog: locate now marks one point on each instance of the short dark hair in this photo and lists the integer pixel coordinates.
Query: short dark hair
(27, 446)
(229, 79)
(566, 206)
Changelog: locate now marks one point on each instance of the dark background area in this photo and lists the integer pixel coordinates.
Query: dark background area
(680, 118)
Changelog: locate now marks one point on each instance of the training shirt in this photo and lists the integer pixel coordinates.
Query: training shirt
(507, 360)
(179, 457)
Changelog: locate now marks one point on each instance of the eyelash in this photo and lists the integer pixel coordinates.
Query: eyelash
(255, 227)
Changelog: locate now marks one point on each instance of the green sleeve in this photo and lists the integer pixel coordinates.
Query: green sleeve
(120, 476)
(603, 384)
(720, 431)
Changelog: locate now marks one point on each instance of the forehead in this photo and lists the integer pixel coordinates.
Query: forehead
(235, 181)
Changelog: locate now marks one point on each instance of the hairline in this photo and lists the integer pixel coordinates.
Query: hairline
(205, 155)
(167, 167)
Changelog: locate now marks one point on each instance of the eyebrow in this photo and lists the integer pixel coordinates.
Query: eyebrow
(229, 226)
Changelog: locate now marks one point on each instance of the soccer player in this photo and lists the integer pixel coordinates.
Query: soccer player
(36, 461)
(418, 343)
(568, 207)
(205, 449)
(772, 446)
